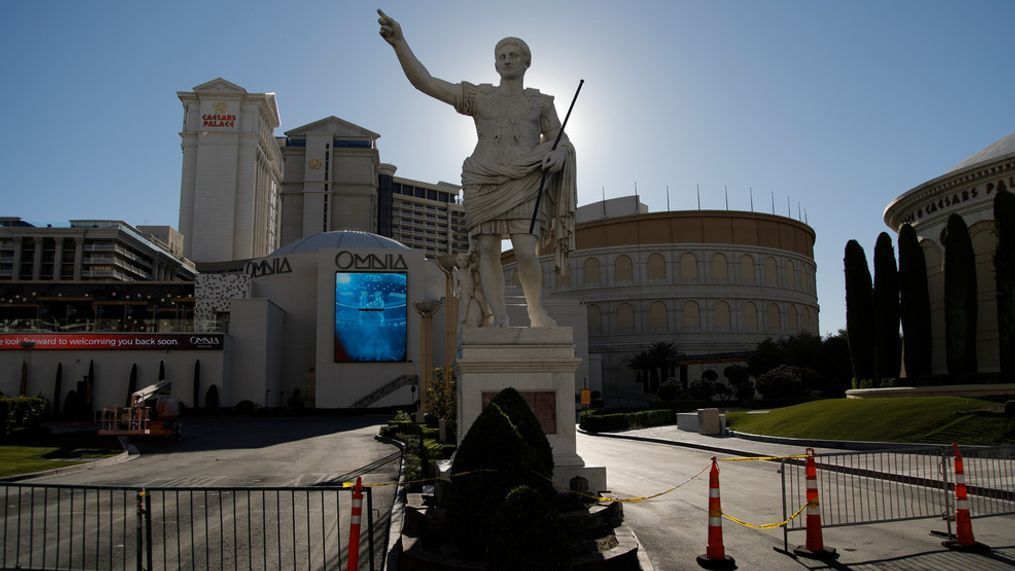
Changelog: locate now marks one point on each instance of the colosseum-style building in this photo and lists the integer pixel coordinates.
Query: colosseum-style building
(968, 190)
(713, 283)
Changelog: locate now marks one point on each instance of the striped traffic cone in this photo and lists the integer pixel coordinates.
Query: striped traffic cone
(964, 540)
(715, 554)
(357, 513)
(815, 547)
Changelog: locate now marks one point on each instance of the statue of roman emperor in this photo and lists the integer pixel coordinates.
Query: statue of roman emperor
(516, 128)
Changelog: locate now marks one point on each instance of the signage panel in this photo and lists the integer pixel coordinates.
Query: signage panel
(111, 341)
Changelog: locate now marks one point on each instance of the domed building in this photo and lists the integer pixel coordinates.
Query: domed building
(338, 315)
(968, 190)
(714, 283)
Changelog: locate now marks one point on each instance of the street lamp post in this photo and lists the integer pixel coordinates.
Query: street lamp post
(426, 309)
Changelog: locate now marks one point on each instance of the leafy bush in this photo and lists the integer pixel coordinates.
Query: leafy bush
(740, 381)
(245, 407)
(402, 417)
(4, 409)
(296, 401)
(525, 533)
(624, 421)
(21, 412)
(519, 413)
(702, 390)
(211, 398)
(670, 390)
(783, 381)
(440, 394)
(492, 460)
(1009, 409)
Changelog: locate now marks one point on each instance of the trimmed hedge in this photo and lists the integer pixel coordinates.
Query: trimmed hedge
(626, 421)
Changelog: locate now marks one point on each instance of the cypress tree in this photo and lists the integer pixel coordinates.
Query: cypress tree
(1004, 275)
(887, 350)
(960, 299)
(914, 304)
(859, 312)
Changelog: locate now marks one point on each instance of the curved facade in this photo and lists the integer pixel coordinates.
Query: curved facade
(713, 283)
(967, 189)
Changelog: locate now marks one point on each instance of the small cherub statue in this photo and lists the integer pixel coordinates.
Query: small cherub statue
(472, 306)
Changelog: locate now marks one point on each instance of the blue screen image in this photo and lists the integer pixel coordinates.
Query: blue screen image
(370, 317)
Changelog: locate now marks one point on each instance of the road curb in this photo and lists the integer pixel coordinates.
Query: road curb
(129, 453)
(720, 449)
(397, 519)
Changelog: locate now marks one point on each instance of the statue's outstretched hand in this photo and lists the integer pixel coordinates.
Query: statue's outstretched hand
(391, 31)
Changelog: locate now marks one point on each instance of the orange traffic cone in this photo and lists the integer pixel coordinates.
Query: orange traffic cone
(715, 554)
(963, 522)
(357, 513)
(815, 544)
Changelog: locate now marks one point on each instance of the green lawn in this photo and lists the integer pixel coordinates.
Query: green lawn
(919, 419)
(23, 455)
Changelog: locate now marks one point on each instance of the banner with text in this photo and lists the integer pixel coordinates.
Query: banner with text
(111, 341)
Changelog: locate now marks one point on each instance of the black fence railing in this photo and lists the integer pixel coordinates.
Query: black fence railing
(110, 527)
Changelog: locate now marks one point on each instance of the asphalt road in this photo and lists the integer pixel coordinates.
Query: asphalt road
(219, 499)
(673, 528)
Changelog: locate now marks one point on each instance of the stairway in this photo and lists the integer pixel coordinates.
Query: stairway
(386, 390)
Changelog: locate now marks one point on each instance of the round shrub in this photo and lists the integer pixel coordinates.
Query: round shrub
(211, 397)
(525, 533)
(702, 390)
(519, 413)
(783, 381)
(670, 390)
(492, 460)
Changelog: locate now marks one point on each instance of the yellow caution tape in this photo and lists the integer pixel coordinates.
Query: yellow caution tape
(766, 525)
(761, 458)
(640, 498)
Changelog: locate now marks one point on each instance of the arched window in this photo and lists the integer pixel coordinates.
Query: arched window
(750, 316)
(656, 267)
(722, 315)
(772, 318)
(688, 267)
(746, 269)
(771, 271)
(595, 317)
(657, 316)
(812, 320)
(790, 276)
(793, 322)
(720, 273)
(622, 270)
(691, 316)
(590, 272)
(625, 318)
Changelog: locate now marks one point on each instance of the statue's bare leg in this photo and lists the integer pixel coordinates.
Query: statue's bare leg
(491, 277)
(530, 275)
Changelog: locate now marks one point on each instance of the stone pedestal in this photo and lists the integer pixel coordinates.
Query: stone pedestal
(540, 364)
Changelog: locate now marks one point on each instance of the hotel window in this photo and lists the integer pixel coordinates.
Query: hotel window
(656, 267)
(622, 269)
(625, 317)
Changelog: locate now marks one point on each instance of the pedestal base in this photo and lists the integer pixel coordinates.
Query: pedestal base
(540, 364)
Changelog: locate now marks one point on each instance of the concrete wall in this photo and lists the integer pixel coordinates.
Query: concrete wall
(257, 328)
(112, 372)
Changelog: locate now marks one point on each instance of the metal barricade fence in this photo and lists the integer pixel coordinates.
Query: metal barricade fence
(860, 488)
(111, 527)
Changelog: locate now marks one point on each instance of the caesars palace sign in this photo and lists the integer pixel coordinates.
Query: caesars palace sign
(954, 199)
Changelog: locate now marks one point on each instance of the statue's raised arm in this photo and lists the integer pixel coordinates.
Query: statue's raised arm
(418, 75)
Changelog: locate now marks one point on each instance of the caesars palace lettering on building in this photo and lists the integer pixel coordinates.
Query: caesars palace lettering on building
(351, 261)
(956, 198)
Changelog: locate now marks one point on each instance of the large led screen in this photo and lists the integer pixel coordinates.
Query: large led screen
(370, 317)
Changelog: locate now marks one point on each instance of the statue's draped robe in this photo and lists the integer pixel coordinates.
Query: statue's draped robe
(500, 195)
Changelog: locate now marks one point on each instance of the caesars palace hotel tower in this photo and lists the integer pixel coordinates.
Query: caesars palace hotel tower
(232, 166)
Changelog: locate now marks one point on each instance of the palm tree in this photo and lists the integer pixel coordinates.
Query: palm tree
(642, 363)
(664, 358)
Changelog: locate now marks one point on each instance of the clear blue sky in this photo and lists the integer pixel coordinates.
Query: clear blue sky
(841, 106)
